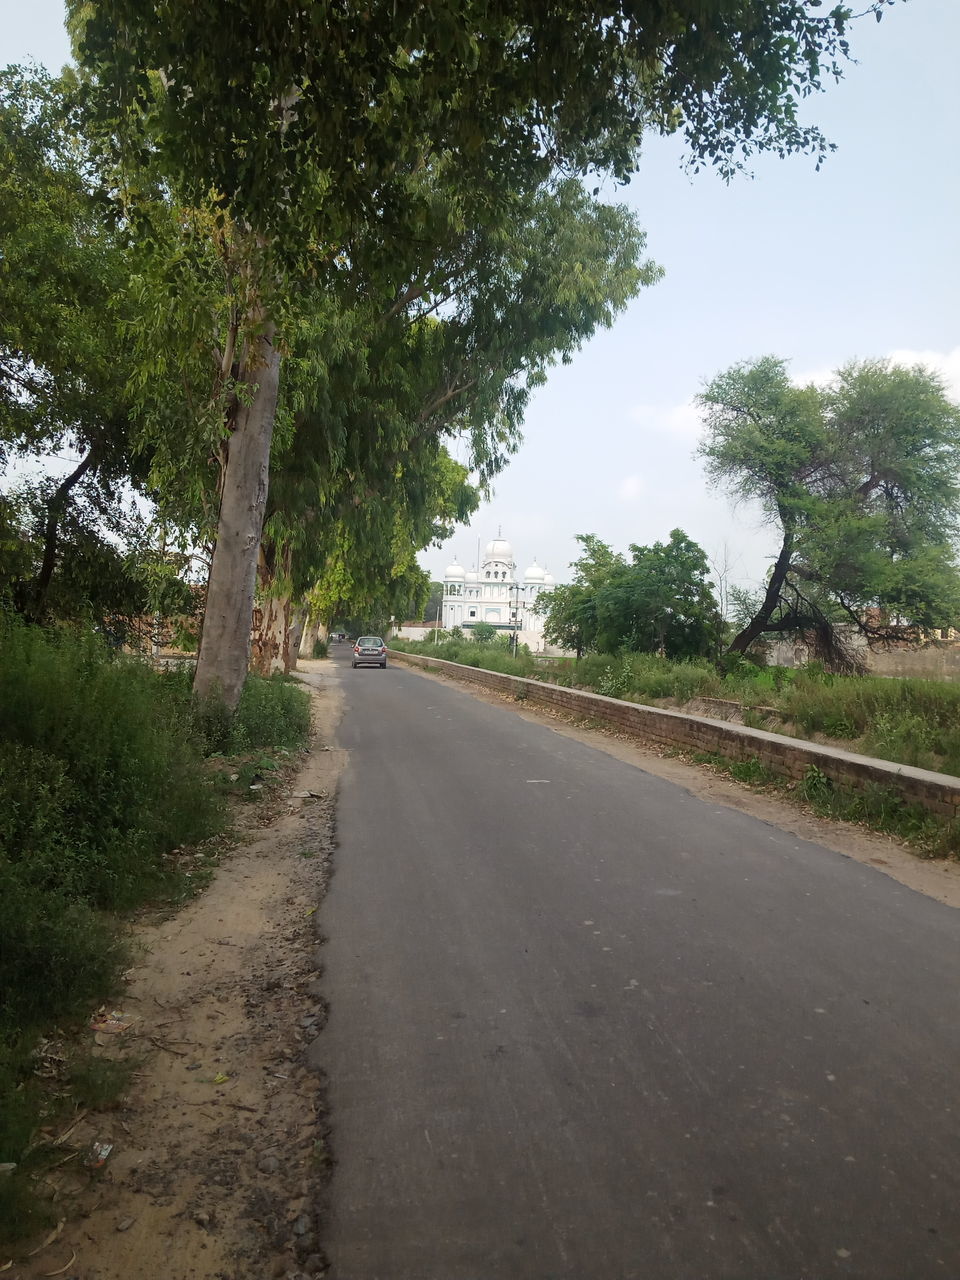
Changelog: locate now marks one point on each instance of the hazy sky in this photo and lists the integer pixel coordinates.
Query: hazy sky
(858, 260)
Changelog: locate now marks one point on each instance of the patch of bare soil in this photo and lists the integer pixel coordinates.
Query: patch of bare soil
(218, 1155)
(938, 879)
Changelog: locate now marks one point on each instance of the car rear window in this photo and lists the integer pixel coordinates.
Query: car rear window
(368, 642)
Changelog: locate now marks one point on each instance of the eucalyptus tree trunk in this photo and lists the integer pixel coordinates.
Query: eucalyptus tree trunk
(270, 636)
(225, 643)
(311, 634)
(298, 625)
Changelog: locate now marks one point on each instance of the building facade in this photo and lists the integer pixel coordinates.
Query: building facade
(493, 593)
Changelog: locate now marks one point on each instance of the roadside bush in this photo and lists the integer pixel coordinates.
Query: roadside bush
(272, 713)
(99, 777)
(57, 954)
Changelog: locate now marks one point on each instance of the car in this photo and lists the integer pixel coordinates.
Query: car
(369, 651)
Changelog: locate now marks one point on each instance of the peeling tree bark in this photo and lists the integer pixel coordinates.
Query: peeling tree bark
(269, 637)
(298, 622)
(225, 643)
(270, 640)
(311, 633)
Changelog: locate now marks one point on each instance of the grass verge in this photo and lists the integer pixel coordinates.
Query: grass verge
(915, 722)
(107, 792)
(873, 806)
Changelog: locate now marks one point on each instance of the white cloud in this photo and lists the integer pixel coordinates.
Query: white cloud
(681, 420)
(947, 364)
(631, 488)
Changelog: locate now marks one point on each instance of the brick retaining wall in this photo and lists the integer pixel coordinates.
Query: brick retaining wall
(788, 757)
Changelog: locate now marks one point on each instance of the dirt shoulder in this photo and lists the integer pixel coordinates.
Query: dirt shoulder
(218, 1153)
(936, 878)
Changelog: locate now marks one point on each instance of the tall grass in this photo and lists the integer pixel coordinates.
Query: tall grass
(102, 775)
(915, 722)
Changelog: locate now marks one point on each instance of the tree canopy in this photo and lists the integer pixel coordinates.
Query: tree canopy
(658, 601)
(336, 146)
(860, 477)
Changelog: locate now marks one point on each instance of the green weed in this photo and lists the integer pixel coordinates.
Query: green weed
(102, 776)
(100, 1083)
(751, 772)
(913, 722)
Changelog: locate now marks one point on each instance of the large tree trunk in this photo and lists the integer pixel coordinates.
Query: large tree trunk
(311, 634)
(758, 625)
(270, 633)
(225, 642)
(270, 636)
(298, 624)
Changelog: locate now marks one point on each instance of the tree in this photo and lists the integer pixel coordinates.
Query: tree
(483, 632)
(660, 602)
(571, 619)
(432, 608)
(861, 479)
(63, 358)
(310, 129)
(366, 450)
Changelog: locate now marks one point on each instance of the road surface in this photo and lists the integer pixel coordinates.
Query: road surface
(586, 1025)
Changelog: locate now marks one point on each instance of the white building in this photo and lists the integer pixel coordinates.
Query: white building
(494, 594)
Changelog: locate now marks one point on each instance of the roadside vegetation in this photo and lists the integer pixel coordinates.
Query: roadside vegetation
(112, 777)
(915, 722)
(873, 806)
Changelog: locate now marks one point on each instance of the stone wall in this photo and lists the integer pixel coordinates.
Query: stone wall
(939, 660)
(929, 660)
(788, 757)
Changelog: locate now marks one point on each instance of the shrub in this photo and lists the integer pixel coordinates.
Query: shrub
(99, 777)
(271, 713)
(57, 954)
(319, 648)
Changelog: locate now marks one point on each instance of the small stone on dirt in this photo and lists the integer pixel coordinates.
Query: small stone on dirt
(125, 1224)
(268, 1164)
(302, 1225)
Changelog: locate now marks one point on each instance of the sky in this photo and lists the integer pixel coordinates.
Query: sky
(859, 260)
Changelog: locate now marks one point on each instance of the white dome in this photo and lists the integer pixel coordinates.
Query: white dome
(534, 573)
(499, 549)
(472, 576)
(549, 580)
(454, 573)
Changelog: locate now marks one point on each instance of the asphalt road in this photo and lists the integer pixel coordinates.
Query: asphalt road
(585, 1024)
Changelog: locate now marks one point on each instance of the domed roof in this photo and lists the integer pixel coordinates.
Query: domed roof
(472, 576)
(534, 573)
(454, 573)
(549, 580)
(499, 549)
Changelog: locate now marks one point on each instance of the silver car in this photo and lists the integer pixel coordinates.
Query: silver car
(369, 651)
